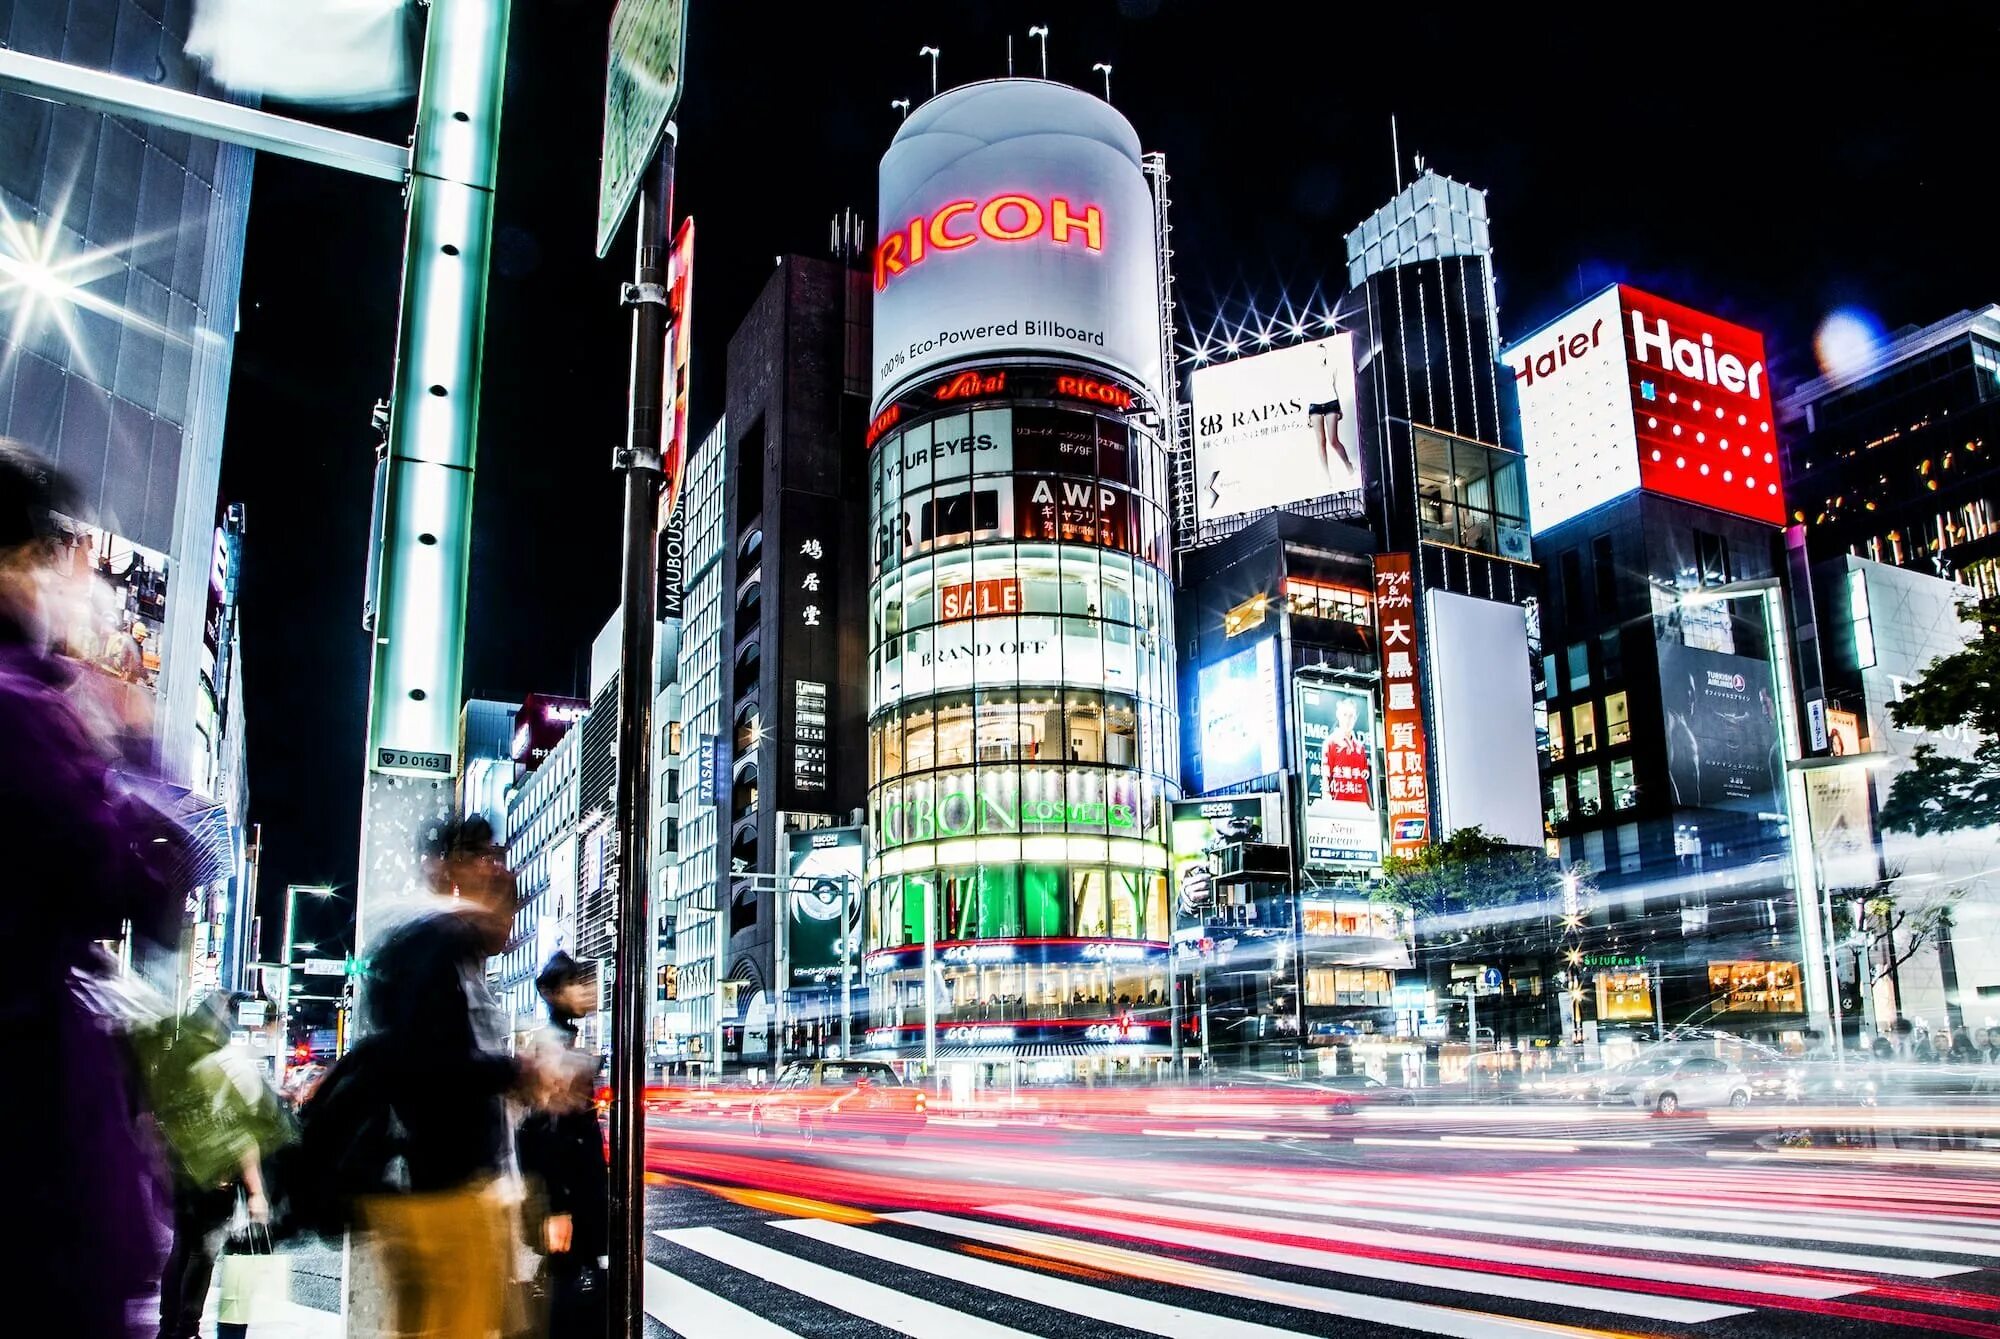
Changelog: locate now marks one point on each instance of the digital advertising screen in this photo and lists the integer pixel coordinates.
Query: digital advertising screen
(1723, 746)
(1340, 748)
(1276, 428)
(825, 873)
(1239, 716)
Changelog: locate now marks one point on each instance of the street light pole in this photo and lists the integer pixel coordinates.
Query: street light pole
(639, 460)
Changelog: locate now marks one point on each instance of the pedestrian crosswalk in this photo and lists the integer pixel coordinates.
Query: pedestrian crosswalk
(1481, 1256)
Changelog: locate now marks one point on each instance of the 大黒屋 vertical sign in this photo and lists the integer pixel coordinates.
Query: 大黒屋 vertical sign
(1403, 750)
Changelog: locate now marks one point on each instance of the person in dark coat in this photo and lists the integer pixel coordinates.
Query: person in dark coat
(85, 1216)
(561, 1150)
(438, 1043)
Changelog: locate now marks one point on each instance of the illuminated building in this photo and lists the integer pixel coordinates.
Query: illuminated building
(1929, 907)
(121, 252)
(1022, 732)
(1671, 708)
(1897, 460)
(793, 691)
(701, 937)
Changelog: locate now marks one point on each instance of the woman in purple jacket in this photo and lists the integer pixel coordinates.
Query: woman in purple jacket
(84, 1215)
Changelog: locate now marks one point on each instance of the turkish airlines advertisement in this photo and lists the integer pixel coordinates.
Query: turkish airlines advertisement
(1630, 391)
(1343, 816)
(1275, 428)
(1015, 219)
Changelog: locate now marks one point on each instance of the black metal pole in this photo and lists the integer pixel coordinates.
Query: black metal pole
(639, 462)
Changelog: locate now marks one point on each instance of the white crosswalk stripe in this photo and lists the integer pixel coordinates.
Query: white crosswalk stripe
(1113, 1308)
(1474, 1257)
(1945, 1239)
(1507, 1253)
(1252, 1287)
(1428, 1276)
(1627, 1239)
(696, 1313)
(887, 1307)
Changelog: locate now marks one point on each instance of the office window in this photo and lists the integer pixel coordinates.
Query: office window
(1617, 720)
(1552, 682)
(1557, 751)
(1611, 654)
(1589, 793)
(1628, 848)
(1624, 784)
(1579, 666)
(1555, 800)
(1864, 621)
(1583, 727)
(1604, 574)
(1572, 583)
(1712, 555)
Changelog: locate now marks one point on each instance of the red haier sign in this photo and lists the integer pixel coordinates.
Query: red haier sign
(1629, 391)
(1701, 408)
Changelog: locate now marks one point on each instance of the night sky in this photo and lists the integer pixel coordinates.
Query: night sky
(1766, 165)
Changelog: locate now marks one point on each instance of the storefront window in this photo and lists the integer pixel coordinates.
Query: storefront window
(1354, 987)
(1043, 901)
(1087, 903)
(1755, 987)
(1623, 997)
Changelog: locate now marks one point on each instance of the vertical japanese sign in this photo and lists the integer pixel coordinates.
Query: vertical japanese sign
(809, 675)
(1404, 751)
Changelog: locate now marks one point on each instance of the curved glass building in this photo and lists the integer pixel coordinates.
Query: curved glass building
(1022, 727)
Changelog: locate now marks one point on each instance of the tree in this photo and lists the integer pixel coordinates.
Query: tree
(1959, 692)
(1472, 887)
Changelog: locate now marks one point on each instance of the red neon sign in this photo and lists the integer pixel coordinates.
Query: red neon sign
(882, 422)
(1097, 392)
(968, 385)
(1008, 217)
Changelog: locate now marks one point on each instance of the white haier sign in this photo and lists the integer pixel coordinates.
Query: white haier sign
(1276, 428)
(1015, 219)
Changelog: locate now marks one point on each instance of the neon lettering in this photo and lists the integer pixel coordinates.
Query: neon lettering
(945, 241)
(1009, 217)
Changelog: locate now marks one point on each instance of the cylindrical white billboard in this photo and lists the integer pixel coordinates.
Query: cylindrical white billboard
(1014, 220)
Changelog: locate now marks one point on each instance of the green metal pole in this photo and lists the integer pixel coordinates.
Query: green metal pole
(417, 609)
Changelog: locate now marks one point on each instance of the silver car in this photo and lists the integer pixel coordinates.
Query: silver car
(1668, 1084)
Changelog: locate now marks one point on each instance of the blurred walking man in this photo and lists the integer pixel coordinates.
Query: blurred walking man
(446, 1242)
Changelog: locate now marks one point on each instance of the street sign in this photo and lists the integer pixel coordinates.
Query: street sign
(326, 967)
(642, 85)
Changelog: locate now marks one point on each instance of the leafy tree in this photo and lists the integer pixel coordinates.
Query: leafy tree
(1959, 691)
(1472, 887)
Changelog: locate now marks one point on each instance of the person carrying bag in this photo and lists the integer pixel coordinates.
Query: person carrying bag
(256, 1282)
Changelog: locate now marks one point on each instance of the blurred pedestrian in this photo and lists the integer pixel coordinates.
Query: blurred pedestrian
(561, 1151)
(220, 1121)
(438, 1051)
(84, 1222)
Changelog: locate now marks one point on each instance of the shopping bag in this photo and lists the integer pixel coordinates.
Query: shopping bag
(256, 1281)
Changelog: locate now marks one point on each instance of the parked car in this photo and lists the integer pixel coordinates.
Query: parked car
(820, 1097)
(1672, 1083)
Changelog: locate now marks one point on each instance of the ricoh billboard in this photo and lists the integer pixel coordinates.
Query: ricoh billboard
(1276, 428)
(1015, 219)
(1632, 391)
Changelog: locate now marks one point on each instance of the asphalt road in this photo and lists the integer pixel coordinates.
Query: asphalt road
(1457, 1222)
